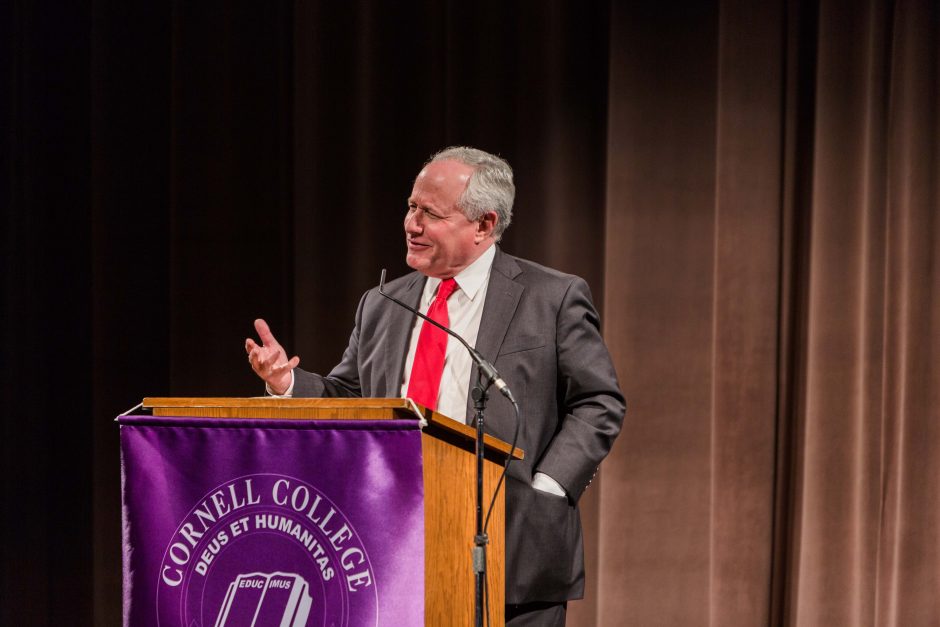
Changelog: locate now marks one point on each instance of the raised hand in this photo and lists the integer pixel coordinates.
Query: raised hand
(269, 360)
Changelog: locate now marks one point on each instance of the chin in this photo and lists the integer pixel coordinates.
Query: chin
(425, 266)
(414, 262)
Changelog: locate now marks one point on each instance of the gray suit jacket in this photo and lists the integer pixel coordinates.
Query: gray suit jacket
(541, 331)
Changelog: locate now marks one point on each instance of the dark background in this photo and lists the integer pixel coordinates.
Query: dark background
(749, 188)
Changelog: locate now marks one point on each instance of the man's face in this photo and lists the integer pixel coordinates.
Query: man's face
(441, 240)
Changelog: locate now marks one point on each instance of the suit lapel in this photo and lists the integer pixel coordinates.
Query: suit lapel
(502, 298)
(400, 323)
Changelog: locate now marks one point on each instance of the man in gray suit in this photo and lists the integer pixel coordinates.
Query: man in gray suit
(539, 328)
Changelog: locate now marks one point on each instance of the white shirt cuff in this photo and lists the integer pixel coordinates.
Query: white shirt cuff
(543, 482)
(287, 394)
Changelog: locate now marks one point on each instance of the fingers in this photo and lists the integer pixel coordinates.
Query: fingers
(268, 359)
(272, 368)
(264, 333)
(278, 369)
(264, 358)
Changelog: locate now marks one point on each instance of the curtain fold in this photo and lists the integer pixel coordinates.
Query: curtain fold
(871, 232)
(908, 552)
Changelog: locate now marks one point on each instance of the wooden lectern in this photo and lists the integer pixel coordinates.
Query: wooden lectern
(449, 464)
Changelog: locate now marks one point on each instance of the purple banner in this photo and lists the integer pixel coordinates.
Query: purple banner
(231, 523)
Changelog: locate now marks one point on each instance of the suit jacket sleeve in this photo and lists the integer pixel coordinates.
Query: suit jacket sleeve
(343, 380)
(589, 395)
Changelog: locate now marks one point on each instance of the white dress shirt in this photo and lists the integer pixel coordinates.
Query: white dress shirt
(464, 310)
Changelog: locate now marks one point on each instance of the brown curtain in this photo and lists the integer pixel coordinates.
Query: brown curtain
(750, 188)
(771, 302)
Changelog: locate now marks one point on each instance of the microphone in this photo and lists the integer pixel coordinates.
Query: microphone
(488, 370)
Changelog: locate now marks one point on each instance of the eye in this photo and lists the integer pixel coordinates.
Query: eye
(428, 213)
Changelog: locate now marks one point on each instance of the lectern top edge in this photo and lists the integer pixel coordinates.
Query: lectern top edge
(276, 407)
(279, 401)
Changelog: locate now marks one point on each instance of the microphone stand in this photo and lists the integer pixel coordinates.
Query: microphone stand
(480, 539)
(487, 376)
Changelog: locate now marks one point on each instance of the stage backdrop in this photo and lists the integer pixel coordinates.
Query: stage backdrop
(750, 188)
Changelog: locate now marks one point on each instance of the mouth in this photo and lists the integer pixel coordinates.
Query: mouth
(413, 245)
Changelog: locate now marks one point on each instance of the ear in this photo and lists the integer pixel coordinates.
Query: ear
(485, 226)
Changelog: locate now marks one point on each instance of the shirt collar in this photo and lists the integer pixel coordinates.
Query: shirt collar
(469, 280)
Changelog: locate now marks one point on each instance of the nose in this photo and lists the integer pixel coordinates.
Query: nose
(413, 223)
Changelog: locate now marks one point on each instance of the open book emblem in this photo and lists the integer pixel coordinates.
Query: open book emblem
(266, 600)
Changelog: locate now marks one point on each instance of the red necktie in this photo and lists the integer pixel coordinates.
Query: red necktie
(428, 366)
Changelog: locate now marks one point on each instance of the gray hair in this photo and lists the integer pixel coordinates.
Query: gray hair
(490, 187)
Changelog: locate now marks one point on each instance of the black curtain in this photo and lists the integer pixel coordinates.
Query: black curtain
(172, 172)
